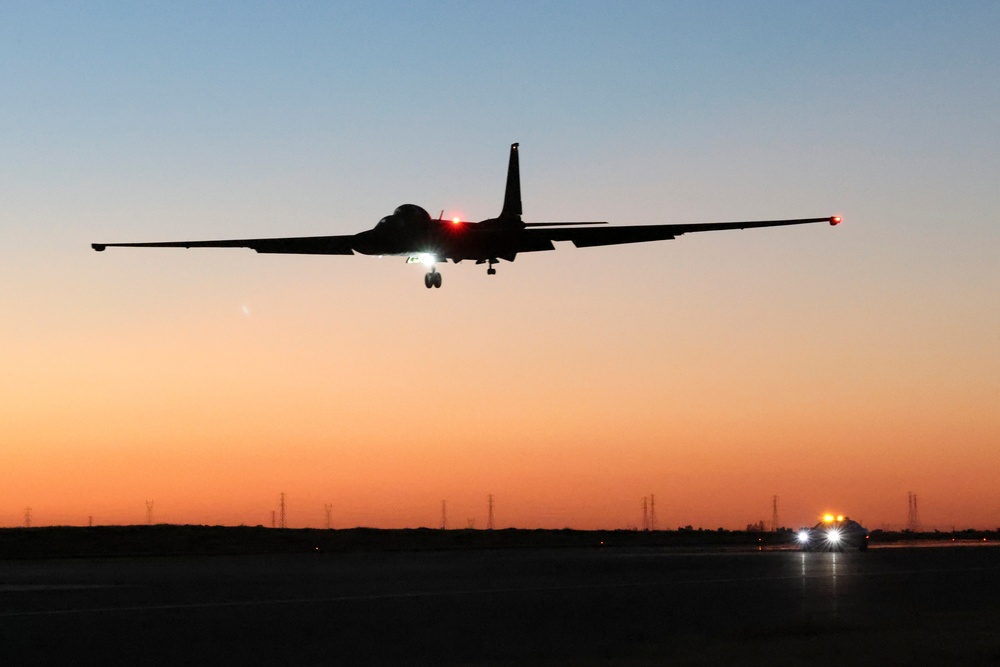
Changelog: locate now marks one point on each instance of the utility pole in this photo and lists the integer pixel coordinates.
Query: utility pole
(444, 515)
(282, 507)
(27, 517)
(652, 512)
(149, 512)
(489, 516)
(774, 513)
(645, 513)
(328, 509)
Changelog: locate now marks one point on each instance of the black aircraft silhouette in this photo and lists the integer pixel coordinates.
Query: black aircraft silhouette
(411, 232)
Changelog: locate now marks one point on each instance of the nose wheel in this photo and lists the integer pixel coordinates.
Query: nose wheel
(491, 271)
(432, 279)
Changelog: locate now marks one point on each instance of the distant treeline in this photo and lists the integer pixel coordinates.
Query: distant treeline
(171, 540)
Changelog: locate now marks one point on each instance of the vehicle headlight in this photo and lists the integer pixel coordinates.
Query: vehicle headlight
(803, 536)
(833, 536)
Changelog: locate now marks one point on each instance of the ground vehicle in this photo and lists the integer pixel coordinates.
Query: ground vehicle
(833, 533)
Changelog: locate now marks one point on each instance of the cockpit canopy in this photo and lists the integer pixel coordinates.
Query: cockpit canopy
(411, 212)
(405, 215)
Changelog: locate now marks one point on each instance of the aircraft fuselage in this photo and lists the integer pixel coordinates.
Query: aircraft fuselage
(410, 231)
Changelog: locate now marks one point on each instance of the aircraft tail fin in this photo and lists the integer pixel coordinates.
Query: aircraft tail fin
(512, 196)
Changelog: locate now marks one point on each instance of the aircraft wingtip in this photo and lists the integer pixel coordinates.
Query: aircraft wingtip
(98, 247)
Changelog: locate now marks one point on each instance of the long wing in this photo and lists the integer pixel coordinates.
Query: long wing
(584, 237)
(302, 245)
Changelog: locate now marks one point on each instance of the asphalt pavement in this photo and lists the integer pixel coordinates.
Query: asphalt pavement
(596, 606)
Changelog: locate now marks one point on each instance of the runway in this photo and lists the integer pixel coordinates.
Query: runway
(625, 606)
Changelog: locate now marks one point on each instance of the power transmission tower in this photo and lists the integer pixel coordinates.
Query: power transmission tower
(328, 509)
(645, 513)
(489, 516)
(27, 517)
(281, 524)
(913, 517)
(444, 515)
(273, 524)
(652, 512)
(149, 512)
(774, 513)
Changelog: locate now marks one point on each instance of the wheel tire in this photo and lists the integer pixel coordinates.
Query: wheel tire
(428, 280)
(436, 280)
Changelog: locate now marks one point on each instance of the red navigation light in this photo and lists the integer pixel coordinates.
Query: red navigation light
(835, 220)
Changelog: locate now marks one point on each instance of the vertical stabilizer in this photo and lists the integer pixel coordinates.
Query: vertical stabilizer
(512, 197)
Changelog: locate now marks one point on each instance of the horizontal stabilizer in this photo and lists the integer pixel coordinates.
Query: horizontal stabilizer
(563, 224)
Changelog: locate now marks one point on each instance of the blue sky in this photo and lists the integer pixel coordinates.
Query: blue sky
(159, 121)
(321, 112)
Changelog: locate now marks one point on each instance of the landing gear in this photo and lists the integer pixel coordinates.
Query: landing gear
(491, 271)
(432, 279)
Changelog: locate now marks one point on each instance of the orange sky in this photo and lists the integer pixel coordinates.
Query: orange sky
(568, 405)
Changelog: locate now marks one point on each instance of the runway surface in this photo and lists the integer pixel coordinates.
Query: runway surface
(508, 607)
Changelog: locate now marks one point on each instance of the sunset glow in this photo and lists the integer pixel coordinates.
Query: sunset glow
(837, 368)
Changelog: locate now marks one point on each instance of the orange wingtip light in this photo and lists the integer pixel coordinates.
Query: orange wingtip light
(835, 220)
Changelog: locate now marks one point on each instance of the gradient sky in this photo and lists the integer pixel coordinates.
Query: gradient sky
(839, 368)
